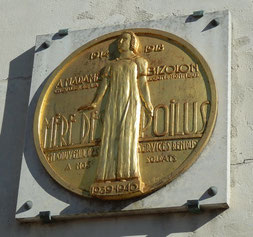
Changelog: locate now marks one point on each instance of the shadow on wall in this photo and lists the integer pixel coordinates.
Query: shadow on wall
(12, 132)
(11, 147)
(152, 225)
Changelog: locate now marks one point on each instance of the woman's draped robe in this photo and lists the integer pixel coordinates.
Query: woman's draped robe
(118, 157)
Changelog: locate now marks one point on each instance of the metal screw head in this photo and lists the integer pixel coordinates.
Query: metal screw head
(198, 14)
(212, 191)
(63, 32)
(28, 205)
(215, 22)
(46, 44)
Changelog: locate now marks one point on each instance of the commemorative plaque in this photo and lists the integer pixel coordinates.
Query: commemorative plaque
(125, 114)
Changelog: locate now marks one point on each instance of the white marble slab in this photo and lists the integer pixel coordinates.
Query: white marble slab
(211, 168)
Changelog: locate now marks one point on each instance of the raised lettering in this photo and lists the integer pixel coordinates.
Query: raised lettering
(166, 122)
(68, 167)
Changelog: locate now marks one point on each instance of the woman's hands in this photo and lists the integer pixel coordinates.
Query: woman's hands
(87, 107)
(150, 109)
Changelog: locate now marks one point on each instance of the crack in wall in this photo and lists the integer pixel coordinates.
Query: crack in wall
(17, 78)
(245, 161)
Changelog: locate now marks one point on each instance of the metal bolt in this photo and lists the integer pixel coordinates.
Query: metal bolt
(198, 14)
(215, 22)
(193, 206)
(45, 216)
(63, 32)
(212, 191)
(28, 205)
(46, 44)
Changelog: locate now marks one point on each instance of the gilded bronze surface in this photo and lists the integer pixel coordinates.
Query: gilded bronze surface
(125, 114)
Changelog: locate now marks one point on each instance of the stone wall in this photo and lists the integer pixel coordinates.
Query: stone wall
(21, 21)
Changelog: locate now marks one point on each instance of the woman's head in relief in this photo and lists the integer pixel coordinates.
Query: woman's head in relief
(128, 41)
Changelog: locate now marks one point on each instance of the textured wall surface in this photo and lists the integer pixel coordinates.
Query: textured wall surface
(21, 21)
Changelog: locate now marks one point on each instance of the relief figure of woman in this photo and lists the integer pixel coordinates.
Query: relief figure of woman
(125, 81)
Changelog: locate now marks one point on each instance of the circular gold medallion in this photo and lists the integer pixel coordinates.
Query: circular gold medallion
(125, 114)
